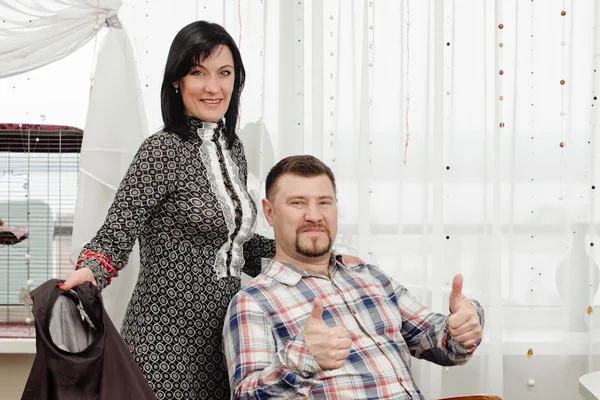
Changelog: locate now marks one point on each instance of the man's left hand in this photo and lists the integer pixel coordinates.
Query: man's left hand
(464, 321)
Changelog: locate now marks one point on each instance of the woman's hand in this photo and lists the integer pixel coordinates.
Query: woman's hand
(76, 278)
(348, 259)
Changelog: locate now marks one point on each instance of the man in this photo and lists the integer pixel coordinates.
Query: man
(311, 327)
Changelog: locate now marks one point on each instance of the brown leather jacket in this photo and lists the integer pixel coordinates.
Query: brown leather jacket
(80, 355)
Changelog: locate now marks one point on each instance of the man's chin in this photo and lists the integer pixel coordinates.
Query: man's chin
(313, 251)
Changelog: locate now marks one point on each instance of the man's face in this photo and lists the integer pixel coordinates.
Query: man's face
(303, 214)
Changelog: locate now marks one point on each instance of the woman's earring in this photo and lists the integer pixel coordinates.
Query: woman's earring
(176, 89)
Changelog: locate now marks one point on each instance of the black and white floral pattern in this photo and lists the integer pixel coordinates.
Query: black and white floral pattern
(187, 204)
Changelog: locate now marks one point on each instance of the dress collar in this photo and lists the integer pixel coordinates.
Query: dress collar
(205, 130)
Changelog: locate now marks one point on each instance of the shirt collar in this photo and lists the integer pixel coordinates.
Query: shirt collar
(290, 275)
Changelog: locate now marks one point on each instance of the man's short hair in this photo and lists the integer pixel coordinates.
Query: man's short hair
(302, 165)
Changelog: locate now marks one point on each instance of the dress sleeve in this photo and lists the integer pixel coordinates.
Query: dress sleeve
(148, 181)
(255, 249)
(258, 247)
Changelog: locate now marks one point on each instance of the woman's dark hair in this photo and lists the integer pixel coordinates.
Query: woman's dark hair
(194, 43)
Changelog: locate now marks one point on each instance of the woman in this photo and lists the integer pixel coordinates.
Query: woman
(184, 198)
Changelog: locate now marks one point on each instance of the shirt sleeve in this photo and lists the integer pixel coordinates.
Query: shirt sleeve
(427, 333)
(147, 182)
(258, 365)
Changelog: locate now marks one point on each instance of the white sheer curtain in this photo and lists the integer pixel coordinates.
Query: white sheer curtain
(446, 164)
(114, 128)
(36, 33)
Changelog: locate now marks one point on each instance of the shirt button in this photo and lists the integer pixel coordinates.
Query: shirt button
(399, 379)
(378, 343)
(354, 312)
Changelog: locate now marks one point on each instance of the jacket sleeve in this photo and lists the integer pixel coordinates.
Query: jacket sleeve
(148, 181)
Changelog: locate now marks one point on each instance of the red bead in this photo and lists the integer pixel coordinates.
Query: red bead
(501, 72)
(562, 81)
(501, 124)
(500, 26)
(563, 13)
(562, 144)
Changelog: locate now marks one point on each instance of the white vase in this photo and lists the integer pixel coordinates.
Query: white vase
(573, 280)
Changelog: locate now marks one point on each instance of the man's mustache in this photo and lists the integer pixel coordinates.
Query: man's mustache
(314, 227)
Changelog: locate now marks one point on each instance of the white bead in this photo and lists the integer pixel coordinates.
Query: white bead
(42, 118)
(28, 320)
(30, 282)
(562, 43)
(407, 23)
(562, 113)
(407, 97)
(27, 256)
(531, 383)
(447, 92)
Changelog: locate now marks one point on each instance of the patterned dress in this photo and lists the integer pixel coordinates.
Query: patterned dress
(186, 202)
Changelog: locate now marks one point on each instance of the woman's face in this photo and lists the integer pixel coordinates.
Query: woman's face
(206, 89)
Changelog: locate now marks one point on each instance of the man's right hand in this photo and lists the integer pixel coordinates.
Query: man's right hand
(76, 278)
(330, 347)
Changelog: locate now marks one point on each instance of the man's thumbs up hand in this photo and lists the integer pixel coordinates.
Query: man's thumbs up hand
(463, 321)
(330, 347)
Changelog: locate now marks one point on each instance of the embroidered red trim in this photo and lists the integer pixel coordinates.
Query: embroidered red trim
(104, 260)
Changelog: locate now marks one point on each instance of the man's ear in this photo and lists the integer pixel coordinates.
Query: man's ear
(268, 211)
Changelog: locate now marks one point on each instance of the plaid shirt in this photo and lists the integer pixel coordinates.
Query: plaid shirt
(268, 358)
